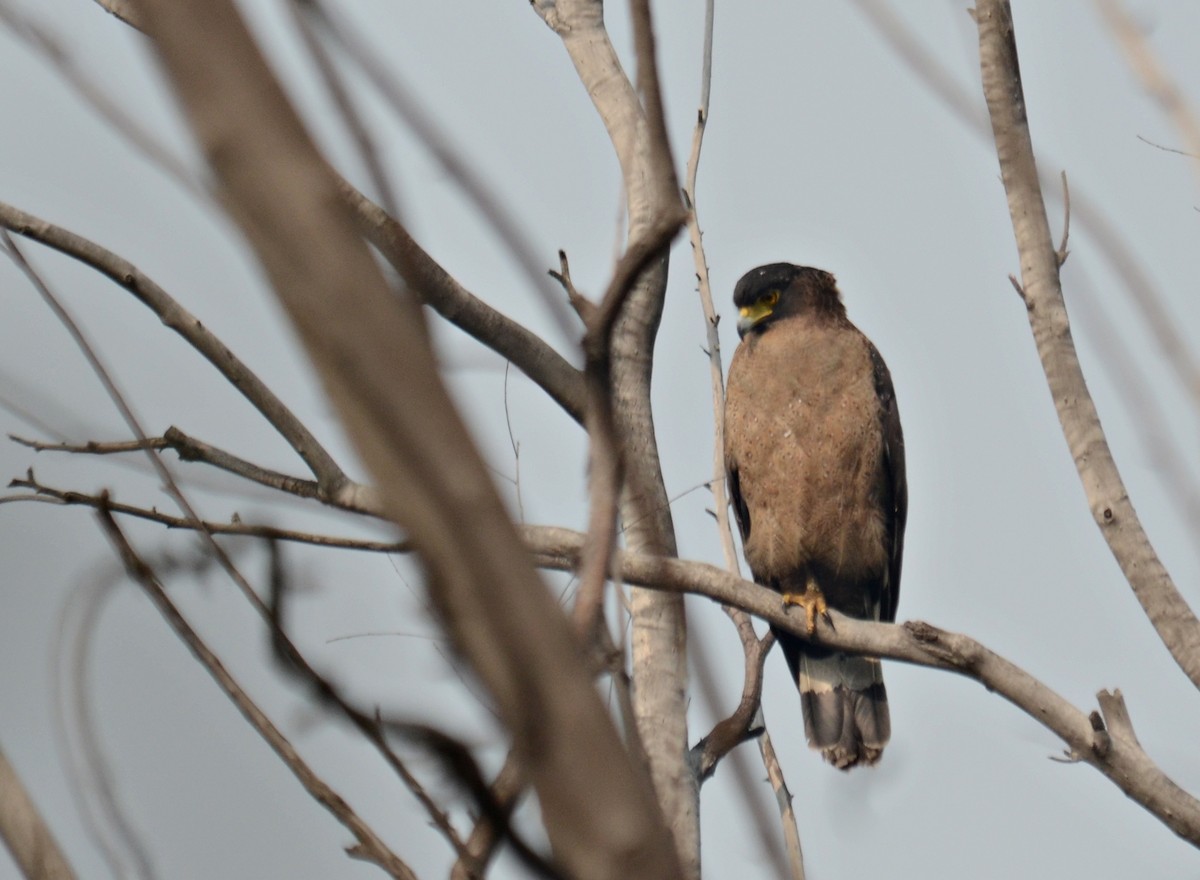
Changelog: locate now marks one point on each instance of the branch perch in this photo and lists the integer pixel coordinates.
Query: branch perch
(1119, 757)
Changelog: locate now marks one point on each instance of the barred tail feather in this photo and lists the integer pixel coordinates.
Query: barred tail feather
(845, 708)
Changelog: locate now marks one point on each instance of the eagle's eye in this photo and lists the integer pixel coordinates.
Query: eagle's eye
(770, 299)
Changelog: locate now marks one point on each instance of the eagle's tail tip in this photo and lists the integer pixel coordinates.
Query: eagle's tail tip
(845, 709)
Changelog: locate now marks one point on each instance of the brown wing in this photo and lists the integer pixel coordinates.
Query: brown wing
(740, 511)
(895, 483)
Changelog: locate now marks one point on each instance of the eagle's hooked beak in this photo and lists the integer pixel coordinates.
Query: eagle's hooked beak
(751, 316)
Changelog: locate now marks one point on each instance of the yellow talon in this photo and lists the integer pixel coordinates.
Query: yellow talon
(812, 600)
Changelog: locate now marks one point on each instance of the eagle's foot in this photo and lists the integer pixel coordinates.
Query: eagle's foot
(812, 600)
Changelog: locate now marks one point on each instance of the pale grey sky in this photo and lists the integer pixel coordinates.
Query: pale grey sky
(822, 149)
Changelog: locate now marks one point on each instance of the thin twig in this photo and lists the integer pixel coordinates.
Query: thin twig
(662, 168)
(51, 495)
(783, 796)
(584, 307)
(1061, 251)
(190, 449)
(516, 447)
(177, 318)
(745, 778)
(1154, 77)
(742, 723)
(712, 320)
(454, 756)
(1167, 149)
(370, 847)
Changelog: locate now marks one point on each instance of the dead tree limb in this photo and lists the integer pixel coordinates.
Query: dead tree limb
(1041, 287)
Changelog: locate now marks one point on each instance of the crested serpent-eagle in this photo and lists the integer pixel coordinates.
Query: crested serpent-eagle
(815, 460)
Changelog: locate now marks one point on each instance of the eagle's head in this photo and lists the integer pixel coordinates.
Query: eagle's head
(782, 290)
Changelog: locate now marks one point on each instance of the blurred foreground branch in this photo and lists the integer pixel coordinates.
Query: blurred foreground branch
(373, 356)
(26, 834)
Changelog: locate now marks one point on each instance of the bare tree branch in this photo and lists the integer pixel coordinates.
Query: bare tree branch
(605, 462)
(606, 459)
(372, 732)
(372, 354)
(108, 381)
(1136, 280)
(188, 449)
(49, 494)
(1177, 626)
(1118, 364)
(633, 119)
(1118, 756)
(746, 779)
(747, 719)
(177, 318)
(438, 290)
(743, 723)
(1125, 763)
(783, 797)
(711, 318)
(353, 497)
(371, 729)
(369, 847)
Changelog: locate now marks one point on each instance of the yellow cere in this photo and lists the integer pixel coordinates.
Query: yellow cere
(761, 307)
